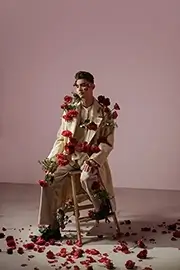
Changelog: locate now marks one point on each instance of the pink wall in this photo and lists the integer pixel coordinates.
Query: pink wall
(132, 48)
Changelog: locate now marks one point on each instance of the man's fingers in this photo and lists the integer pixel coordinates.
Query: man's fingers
(86, 167)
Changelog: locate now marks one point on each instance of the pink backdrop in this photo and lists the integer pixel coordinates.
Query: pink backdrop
(132, 48)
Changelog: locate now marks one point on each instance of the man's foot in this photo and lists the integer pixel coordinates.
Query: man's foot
(50, 233)
(103, 213)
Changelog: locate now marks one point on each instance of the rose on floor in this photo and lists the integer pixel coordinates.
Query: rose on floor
(141, 244)
(142, 254)
(130, 264)
(10, 242)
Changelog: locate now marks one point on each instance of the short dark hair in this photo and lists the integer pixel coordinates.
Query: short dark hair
(84, 75)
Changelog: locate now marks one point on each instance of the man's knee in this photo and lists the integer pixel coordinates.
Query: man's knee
(87, 179)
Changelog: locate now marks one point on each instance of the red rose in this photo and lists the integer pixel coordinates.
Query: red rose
(101, 99)
(43, 183)
(83, 147)
(141, 244)
(11, 244)
(64, 106)
(70, 115)
(114, 115)
(91, 260)
(95, 149)
(40, 242)
(92, 126)
(73, 113)
(9, 238)
(142, 254)
(176, 234)
(109, 265)
(60, 156)
(68, 99)
(29, 245)
(124, 248)
(50, 255)
(79, 147)
(62, 160)
(73, 141)
(69, 148)
(77, 252)
(105, 261)
(67, 118)
(92, 251)
(116, 107)
(66, 133)
(106, 102)
(95, 185)
(130, 264)
(69, 242)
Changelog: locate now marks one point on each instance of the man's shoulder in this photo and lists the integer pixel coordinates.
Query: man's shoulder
(97, 104)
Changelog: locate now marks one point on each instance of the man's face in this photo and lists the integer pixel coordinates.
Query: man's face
(84, 88)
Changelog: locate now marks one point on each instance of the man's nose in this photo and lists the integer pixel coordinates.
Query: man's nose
(80, 89)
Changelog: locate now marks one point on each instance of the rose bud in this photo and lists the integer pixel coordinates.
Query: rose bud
(116, 107)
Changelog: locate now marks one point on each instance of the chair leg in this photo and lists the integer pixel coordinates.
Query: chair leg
(116, 224)
(76, 210)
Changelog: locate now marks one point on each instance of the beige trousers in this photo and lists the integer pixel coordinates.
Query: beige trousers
(55, 196)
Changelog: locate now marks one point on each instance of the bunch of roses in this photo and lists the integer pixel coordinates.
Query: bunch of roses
(73, 146)
(69, 107)
(105, 102)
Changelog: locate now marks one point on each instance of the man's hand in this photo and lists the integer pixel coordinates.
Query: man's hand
(89, 166)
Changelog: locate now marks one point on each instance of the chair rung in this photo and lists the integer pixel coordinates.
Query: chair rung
(80, 207)
(85, 218)
(86, 206)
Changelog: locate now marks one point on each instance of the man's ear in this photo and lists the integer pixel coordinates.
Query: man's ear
(93, 86)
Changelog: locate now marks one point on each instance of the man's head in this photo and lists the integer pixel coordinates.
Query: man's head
(84, 84)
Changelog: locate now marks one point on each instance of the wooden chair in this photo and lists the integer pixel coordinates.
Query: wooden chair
(75, 176)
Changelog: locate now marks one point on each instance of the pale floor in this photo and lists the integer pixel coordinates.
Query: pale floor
(145, 208)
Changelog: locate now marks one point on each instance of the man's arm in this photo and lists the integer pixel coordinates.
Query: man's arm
(105, 149)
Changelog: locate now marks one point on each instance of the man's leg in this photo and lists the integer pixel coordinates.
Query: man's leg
(87, 179)
(101, 205)
(54, 197)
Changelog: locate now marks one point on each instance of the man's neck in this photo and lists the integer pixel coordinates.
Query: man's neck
(87, 103)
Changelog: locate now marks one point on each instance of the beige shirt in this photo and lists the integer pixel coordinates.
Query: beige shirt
(80, 132)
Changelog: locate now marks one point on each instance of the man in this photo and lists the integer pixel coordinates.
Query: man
(93, 167)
